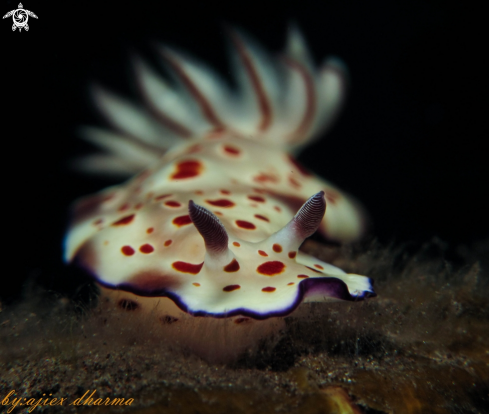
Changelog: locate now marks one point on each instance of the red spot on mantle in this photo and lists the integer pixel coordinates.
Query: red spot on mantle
(230, 288)
(264, 177)
(233, 266)
(150, 230)
(182, 220)
(187, 169)
(259, 216)
(162, 196)
(271, 268)
(294, 182)
(127, 250)
(193, 149)
(245, 225)
(292, 254)
(124, 220)
(124, 207)
(269, 289)
(185, 267)
(277, 248)
(236, 244)
(231, 150)
(256, 198)
(168, 242)
(146, 248)
(172, 204)
(302, 276)
(222, 202)
(319, 266)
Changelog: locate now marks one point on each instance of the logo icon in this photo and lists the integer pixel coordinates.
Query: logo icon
(20, 17)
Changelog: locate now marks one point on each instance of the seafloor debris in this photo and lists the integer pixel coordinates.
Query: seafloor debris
(419, 347)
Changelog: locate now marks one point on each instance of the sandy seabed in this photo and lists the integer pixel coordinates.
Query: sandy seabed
(420, 346)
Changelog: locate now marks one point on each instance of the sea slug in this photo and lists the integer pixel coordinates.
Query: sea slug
(212, 223)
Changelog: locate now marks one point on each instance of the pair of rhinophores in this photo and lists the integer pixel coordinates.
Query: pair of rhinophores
(211, 224)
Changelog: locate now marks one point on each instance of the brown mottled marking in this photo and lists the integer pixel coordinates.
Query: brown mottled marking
(154, 281)
(241, 320)
(128, 305)
(168, 319)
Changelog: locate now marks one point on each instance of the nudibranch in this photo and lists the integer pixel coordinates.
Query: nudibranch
(212, 223)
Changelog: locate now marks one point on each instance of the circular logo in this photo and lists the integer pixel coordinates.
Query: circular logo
(20, 17)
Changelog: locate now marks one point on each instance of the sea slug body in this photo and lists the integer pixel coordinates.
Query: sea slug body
(212, 223)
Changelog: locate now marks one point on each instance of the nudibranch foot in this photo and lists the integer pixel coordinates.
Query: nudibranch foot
(217, 340)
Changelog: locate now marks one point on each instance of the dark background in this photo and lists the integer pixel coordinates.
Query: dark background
(411, 143)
